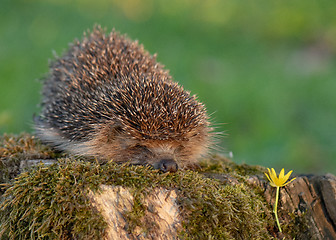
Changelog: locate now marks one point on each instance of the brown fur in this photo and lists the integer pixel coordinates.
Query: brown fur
(108, 97)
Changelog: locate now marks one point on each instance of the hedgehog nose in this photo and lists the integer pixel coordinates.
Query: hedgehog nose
(168, 165)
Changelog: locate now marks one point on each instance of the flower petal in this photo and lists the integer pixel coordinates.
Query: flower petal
(289, 181)
(273, 172)
(273, 175)
(268, 177)
(281, 177)
(276, 180)
(282, 173)
(287, 175)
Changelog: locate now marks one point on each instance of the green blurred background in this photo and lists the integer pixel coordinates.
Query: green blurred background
(264, 68)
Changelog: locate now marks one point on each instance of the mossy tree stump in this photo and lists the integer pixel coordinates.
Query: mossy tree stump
(311, 200)
(81, 199)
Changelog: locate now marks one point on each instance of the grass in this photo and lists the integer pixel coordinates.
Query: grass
(265, 68)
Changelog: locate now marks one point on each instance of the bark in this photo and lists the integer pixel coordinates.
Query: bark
(311, 197)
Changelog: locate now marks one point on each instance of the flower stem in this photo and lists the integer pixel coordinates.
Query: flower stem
(276, 208)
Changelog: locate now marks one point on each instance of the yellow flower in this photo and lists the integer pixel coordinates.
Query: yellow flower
(278, 181)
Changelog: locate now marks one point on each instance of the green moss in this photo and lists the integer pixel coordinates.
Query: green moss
(220, 164)
(23, 146)
(51, 202)
(16, 148)
(135, 217)
(298, 226)
(217, 211)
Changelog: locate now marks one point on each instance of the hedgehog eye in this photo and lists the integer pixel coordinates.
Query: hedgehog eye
(114, 131)
(118, 129)
(142, 148)
(179, 148)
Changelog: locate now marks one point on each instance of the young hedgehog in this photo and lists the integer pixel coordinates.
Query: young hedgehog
(107, 97)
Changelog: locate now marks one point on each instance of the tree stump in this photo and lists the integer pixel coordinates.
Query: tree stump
(163, 213)
(311, 197)
(66, 198)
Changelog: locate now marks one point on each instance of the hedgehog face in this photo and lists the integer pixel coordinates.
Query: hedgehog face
(115, 143)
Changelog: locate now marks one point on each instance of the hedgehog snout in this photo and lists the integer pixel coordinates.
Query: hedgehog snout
(166, 165)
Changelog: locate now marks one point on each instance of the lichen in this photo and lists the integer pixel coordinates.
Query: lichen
(51, 202)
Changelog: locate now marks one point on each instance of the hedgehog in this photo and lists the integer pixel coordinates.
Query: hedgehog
(107, 97)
